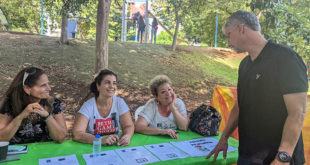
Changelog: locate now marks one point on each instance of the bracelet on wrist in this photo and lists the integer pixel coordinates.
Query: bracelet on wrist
(173, 109)
(44, 118)
(48, 118)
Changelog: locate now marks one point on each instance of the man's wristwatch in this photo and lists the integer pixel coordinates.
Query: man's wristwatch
(284, 157)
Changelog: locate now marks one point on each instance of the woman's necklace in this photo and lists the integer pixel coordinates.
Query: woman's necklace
(163, 111)
(104, 110)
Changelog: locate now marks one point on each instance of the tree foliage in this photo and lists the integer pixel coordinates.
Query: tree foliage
(115, 21)
(201, 19)
(24, 15)
(287, 22)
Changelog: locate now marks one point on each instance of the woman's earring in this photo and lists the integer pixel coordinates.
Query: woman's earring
(29, 93)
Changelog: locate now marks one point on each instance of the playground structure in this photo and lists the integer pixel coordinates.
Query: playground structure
(73, 23)
(146, 13)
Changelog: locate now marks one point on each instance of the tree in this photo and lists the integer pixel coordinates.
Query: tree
(89, 10)
(177, 7)
(69, 6)
(102, 31)
(64, 28)
(64, 22)
(201, 19)
(172, 11)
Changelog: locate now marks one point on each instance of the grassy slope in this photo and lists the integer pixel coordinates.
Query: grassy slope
(135, 63)
(212, 67)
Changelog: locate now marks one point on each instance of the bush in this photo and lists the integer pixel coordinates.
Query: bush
(164, 38)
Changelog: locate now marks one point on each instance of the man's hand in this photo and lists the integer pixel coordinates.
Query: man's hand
(222, 145)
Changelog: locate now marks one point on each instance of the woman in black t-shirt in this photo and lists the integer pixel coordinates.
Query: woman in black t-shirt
(28, 113)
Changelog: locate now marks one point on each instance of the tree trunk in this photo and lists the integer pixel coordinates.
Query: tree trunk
(35, 25)
(36, 28)
(174, 43)
(64, 28)
(102, 31)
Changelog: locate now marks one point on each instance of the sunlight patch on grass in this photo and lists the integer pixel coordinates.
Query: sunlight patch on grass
(231, 62)
(211, 67)
(132, 51)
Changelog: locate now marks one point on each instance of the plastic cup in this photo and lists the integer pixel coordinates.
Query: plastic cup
(3, 150)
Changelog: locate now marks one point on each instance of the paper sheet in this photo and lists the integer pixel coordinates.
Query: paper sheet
(136, 155)
(165, 151)
(199, 147)
(105, 157)
(60, 160)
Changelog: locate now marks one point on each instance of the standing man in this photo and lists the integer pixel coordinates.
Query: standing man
(272, 94)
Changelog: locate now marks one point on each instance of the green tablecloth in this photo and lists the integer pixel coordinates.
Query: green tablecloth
(41, 150)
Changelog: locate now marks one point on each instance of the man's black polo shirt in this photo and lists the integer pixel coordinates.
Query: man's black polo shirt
(278, 70)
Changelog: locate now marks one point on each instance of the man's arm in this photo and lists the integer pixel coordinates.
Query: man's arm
(296, 109)
(229, 128)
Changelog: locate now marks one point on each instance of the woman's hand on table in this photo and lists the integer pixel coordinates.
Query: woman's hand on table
(172, 133)
(110, 140)
(124, 141)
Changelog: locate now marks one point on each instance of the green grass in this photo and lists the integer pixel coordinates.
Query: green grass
(231, 62)
(225, 69)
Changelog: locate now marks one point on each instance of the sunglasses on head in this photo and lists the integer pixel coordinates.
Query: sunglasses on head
(28, 72)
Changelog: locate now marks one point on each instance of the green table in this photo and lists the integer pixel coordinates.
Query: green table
(41, 150)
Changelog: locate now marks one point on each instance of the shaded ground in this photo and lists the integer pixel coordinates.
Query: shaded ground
(63, 87)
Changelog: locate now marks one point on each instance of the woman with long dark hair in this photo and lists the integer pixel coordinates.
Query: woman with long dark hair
(104, 114)
(28, 113)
